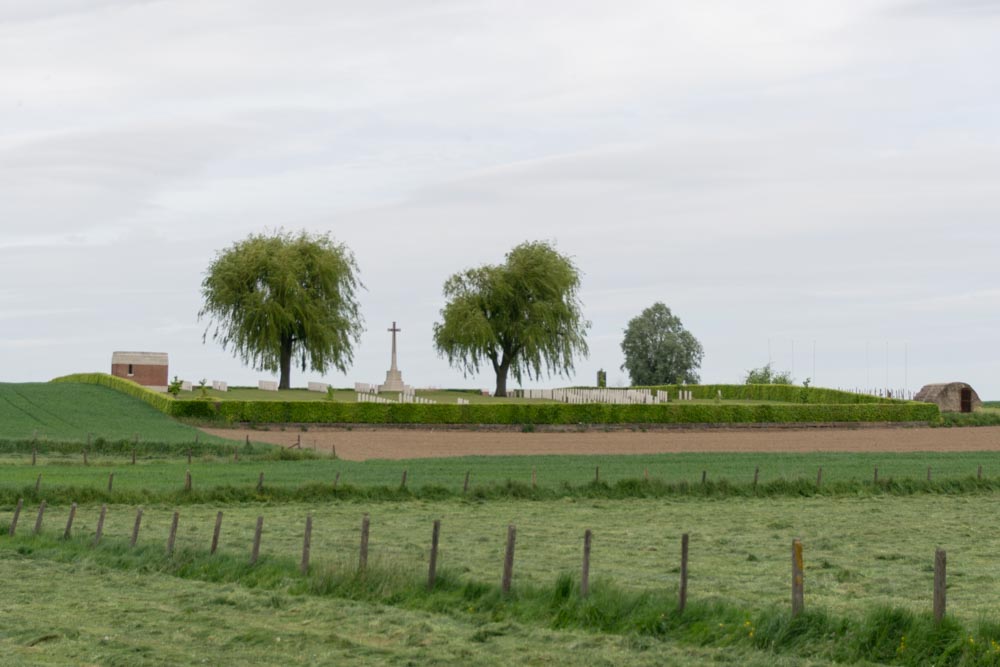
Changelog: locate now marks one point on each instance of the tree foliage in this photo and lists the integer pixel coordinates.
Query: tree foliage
(659, 350)
(522, 316)
(275, 298)
(767, 375)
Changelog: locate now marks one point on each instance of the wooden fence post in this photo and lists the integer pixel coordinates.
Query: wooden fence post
(215, 533)
(256, 540)
(363, 555)
(173, 533)
(69, 522)
(876, 474)
(756, 476)
(236, 454)
(34, 455)
(798, 598)
(100, 525)
(135, 529)
(189, 456)
(979, 473)
(336, 478)
(585, 573)
(260, 482)
(187, 480)
(306, 542)
(508, 560)
(682, 596)
(17, 514)
(85, 457)
(38, 484)
(704, 476)
(940, 584)
(597, 475)
(819, 477)
(38, 521)
(402, 483)
(432, 567)
(333, 451)
(111, 481)
(465, 486)
(928, 473)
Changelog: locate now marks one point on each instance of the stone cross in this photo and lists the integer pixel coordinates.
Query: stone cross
(394, 331)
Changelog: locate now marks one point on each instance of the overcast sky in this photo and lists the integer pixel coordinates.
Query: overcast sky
(785, 176)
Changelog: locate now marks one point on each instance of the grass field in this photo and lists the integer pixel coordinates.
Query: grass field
(69, 412)
(552, 473)
(869, 552)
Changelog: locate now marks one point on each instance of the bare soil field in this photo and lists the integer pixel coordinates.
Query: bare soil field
(363, 444)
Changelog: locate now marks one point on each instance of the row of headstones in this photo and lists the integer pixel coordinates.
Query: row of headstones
(413, 398)
(372, 398)
(609, 396)
(218, 385)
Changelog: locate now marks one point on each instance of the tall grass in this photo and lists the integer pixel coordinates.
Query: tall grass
(620, 490)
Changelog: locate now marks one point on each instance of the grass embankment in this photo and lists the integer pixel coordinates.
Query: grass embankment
(217, 478)
(867, 582)
(71, 412)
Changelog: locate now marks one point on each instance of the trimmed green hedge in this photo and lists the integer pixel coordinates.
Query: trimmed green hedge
(559, 413)
(313, 412)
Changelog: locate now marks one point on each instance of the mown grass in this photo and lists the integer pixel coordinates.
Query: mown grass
(71, 412)
(860, 553)
(879, 634)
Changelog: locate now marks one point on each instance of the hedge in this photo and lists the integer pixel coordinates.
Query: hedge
(312, 412)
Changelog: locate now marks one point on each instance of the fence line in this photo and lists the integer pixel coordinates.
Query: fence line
(506, 585)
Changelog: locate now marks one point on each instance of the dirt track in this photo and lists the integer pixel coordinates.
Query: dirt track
(358, 445)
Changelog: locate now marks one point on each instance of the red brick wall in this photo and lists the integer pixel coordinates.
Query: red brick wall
(149, 376)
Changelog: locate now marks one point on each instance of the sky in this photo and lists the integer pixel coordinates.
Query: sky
(815, 184)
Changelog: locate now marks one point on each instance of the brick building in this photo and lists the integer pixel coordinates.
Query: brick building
(146, 368)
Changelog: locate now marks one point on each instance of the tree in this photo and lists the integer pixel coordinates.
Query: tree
(767, 375)
(282, 297)
(659, 350)
(521, 315)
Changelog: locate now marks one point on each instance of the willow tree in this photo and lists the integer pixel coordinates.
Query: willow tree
(275, 299)
(523, 316)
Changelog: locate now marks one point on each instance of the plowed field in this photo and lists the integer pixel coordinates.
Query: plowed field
(360, 445)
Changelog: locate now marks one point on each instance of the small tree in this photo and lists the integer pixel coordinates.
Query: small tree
(282, 297)
(521, 316)
(659, 350)
(767, 375)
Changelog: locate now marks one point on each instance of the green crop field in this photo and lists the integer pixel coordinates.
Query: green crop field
(69, 412)
(554, 475)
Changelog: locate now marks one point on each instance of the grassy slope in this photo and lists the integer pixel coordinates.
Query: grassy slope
(69, 412)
